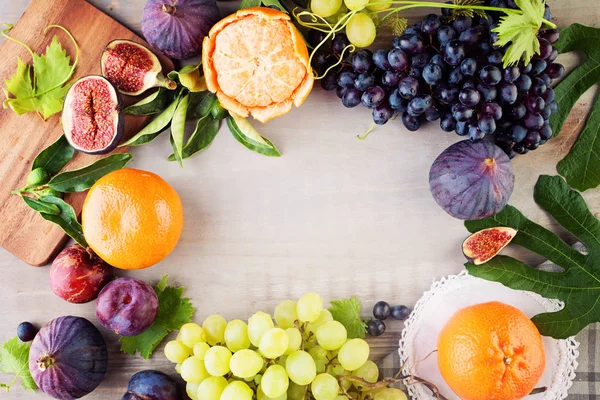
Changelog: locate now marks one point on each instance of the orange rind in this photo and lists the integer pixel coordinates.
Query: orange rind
(256, 62)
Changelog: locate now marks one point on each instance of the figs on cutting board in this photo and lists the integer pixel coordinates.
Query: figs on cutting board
(177, 27)
(484, 245)
(92, 117)
(132, 68)
(472, 180)
(68, 358)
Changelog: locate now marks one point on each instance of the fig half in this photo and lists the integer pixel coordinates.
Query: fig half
(92, 119)
(484, 245)
(132, 68)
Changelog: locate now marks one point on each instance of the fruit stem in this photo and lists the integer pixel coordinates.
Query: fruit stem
(169, 9)
(166, 82)
(44, 362)
(489, 162)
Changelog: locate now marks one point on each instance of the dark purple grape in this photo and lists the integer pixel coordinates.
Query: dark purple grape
(455, 76)
(503, 139)
(447, 122)
(490, 75)
(538, 87)
(319, 60)
(152, 385)
(408, 87)
(415, 72)
(447, 12)
(364, 81)
(419, 104)
(398, 59)
(420, 60)
(454, 52)
(538, 66)
(517, 111)
(511, 74)
(400, 313)
(471, 36)
(361, 61)
(485, 48)
(380, 59)
(447, 94)
(518, 133)
(533, 121)
(555, 70)
(525, 69)
(397, 102)
(433, 113)
(475, 134)
(391, 78)
(412, 44)
(462, 128)
(548, 95)
(411, 30)
(508, 92)
(469, 84)
(340, 90)
(351, 97)
(437, 59)
(547, 80)
(488, 93)
(553, 56)
(469, 97)
(329, 82)
(26, 331)
(492, 109)
(431, 24)
(532, 139)
(411, 123)
(553, 106)
(373, 96)
(534, 104)
(397, 39)
(462, 23)
(551, 35)
(545, 49)
(376, 327)
(461, 112)
(545, 131)
(523, 84)
(486, 124)
(495, 58)
(346, 79)
(339, 43)
(382, 113)
(468, 66)
(315, 37)
(546, 112)
(445, 33)
(520, 148)
(432, 74)
(381, 310)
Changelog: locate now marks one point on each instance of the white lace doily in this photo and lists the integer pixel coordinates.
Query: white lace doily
(450, 294)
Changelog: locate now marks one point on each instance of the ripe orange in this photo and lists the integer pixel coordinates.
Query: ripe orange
(132, 219)
(256, 62)
(491, 351)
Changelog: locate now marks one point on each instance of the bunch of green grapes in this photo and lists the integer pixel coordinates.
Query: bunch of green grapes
(303, 355)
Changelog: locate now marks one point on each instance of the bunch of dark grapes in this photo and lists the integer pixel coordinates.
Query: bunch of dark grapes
(449, 69)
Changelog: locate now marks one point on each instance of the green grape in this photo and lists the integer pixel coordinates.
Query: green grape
(388, 394)
(217, 360)
(236, 335)
(237, 390)
(353, 354)
(211, 388)
(361, 30)
(246, 363)
(275, 381)
(325, 8)
(285, 314)
(325, 316)
(335, 18)
(260, 395)
(301, 367)
(177, 352)
(337, 370)
(192, 334)
(193, 370)
(200, 349)
(331, 335)
(294, 340)
(369, 372)
(257, 379)
(324, 387)
(356, 4)
(309, 307)
(258, 324)
(296, 392)
(320, 366)
(378, 7)
(318, 353)
(178, 368)
(214, 327)
(192, 390)
(281, 360)
(273, 343)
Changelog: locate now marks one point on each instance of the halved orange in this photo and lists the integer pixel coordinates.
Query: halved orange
(257, 63)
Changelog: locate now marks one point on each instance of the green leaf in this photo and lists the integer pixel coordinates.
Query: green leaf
(54, 157)
(173, 311)
(205, 132)
(21, 87)
(347, 312)
(14, 360)
(67, 219)
(579, 285)
(245, 133)
(82, 179)
(178, 127)
(175, 153)
(468, 12)
(397, 24)
(155, 127)
(200, 104)
(249, 3)
(520, 28)
(274, 3)
(41, 207)
(152, 104)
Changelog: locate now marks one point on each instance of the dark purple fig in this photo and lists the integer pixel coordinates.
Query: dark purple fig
(78, 275)
(472, 180)
(177, 27)
(132, 68)
(151, 385)
(92, 118)
(127, 306)
(68, 358)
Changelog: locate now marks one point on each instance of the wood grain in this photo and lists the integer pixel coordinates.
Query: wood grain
(333, 215)
(22, 231)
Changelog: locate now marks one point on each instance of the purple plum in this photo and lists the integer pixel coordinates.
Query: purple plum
(151, 385)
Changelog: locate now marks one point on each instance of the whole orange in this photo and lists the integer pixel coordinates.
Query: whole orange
(491, 351)
(132, 219)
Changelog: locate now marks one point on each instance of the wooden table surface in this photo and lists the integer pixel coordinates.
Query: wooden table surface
(334, 215)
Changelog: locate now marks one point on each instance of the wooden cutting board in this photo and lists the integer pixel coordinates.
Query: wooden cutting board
(22, 231)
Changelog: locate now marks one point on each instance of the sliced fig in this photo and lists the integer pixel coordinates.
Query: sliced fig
(132, 68)
(92, 119)
(484, 245)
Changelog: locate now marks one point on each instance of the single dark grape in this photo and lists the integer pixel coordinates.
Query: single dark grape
(373, 96)
(319, 59)
(437, 59)
(315, 37)
(553, 106)
(408, 87)
(411, 30)
(488, 93)
(447, 94)
(490, 75)
(329, 81)
(555, 70)
(412, 44)
(469, 97)
(546, 112)
(397, 102)
(548, 95)
(361, 61)
(351, 97)
(533, 121)
(492, 109)
(551, 35)
(339, 43)
(411, 123)
(445, 33)
(364, 81)
(538, 66)
(538, 87)
(525, 69)
(340, 90)
(545, 49)
(454, 52)
(419, 104)
(431, 24)
(398, 60)
(447, 12)
(346, 79)
(455, 76)
(382, 113)
(26, 331)
(508, 92)
(376, 327)
(400, 313)
(415, 72)
(532, 139)
(471, 36)
(545, 131)
(523, 84)
(486, 124)
(468, 66)
(447, 122)
(391, 78)
(485, 48)
(546, 78)
(520, 148)
(553, 56)
(432, 74)
(511, 74)
(397, 39)
(420, 60)
(433, 113)
(517, 111)
(534, 104)
(462, 128)
(461, 112)
(462, 23)
(381, 310)
(380, 59)
(495, 58)
(475, 134)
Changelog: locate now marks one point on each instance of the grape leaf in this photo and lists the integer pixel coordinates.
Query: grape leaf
(347, 312)
(578, 286)
(581, 167)
(14, 359)
(173, 311)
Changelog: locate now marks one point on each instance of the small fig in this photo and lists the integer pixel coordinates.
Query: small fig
(38, 176)
(151, 385)
(132, 68)
(127, 306)
(77, 275)
(484, 245)
(92, 119)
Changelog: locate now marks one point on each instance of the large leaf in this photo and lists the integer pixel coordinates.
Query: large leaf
(54, 157)
(245, 133)
(581, 167)
(579, 285)
(82, 179)
(67, 219)
(178, 127)
(157, 126)
(152, 104)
